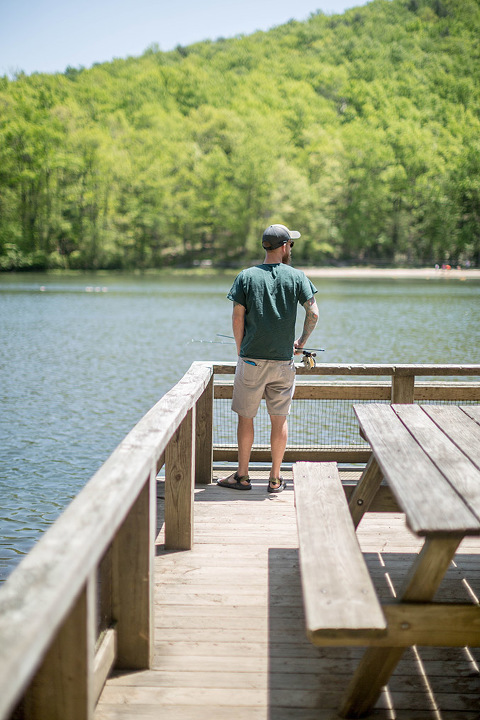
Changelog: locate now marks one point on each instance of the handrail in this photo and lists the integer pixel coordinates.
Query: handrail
(420, 369)
(48, 604)
(41, 592)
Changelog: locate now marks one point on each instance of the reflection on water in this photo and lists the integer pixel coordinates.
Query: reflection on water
(83, 359)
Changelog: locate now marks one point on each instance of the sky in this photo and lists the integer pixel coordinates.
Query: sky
(50, 35)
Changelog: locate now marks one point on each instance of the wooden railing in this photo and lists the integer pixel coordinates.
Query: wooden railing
(52, 664)
(97, 559)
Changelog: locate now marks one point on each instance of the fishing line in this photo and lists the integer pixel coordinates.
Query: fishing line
(308, 359)
(213, 342)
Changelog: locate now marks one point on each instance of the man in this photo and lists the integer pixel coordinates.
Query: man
(265, 299)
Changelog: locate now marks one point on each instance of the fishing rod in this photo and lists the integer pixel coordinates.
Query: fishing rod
(309, 350)
(308, 359)
(309, 354)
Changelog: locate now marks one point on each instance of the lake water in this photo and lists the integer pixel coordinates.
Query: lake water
(83, 358)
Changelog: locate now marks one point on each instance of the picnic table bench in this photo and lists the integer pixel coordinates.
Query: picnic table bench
(430, 456)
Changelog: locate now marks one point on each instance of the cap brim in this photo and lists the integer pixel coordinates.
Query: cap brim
(294, 234)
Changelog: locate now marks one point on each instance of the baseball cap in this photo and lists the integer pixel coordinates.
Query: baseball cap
(277, 235)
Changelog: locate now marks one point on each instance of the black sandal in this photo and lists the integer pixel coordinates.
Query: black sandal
(280, 488)
(237, 485)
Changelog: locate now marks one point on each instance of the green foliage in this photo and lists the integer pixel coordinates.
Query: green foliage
(359, 129)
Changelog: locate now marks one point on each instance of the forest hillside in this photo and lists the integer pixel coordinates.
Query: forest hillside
(361, 130)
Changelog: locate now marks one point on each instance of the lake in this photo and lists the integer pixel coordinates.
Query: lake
(84, 357)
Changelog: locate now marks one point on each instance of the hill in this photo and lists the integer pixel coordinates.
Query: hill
(361, 130)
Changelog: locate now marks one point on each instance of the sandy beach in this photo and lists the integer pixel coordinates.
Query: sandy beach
(393, 273)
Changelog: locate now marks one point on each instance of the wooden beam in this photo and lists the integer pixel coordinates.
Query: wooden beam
(365, 491)
(383, 501)
(434, 624)
(369, 390)
(179, 486)
(204, 436)
(262, 453)
(434, 370)
(408, 624)
(133, 556)
(403, 388)
(63, 685)
(105, 590)
(104, 661)
(452, 391)
(321, 390)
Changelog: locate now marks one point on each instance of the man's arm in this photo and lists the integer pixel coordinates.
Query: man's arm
(311, 318)
(238, 324)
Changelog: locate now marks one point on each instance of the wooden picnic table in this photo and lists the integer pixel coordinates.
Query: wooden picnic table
(430, 457)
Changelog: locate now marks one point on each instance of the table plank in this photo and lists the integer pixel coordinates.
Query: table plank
(454, 464)
(430, 503)
(472, 411)
(461, 427)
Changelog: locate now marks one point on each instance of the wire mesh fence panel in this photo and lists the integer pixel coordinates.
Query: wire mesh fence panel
(311, 423)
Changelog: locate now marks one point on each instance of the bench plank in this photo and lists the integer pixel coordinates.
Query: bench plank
(339, 598)
(427, 498)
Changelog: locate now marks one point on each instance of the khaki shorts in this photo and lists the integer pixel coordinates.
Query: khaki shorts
(275, 378)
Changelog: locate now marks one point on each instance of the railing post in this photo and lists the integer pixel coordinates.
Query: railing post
(132, 581)
(403, 389)
(204, 436)
(179, 486)
(63, 685)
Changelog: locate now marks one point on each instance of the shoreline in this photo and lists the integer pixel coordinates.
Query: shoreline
(348, 272)
(392, 273)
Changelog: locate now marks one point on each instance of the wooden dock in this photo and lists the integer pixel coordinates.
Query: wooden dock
(229, 628)
(204, 602)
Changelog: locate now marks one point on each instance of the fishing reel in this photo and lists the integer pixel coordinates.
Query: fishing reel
(308, 359)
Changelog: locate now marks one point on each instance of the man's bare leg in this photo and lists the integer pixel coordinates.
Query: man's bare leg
(278, 443)
(245, 442)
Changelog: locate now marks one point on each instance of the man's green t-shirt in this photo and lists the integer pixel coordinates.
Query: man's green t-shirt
(270, 295)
